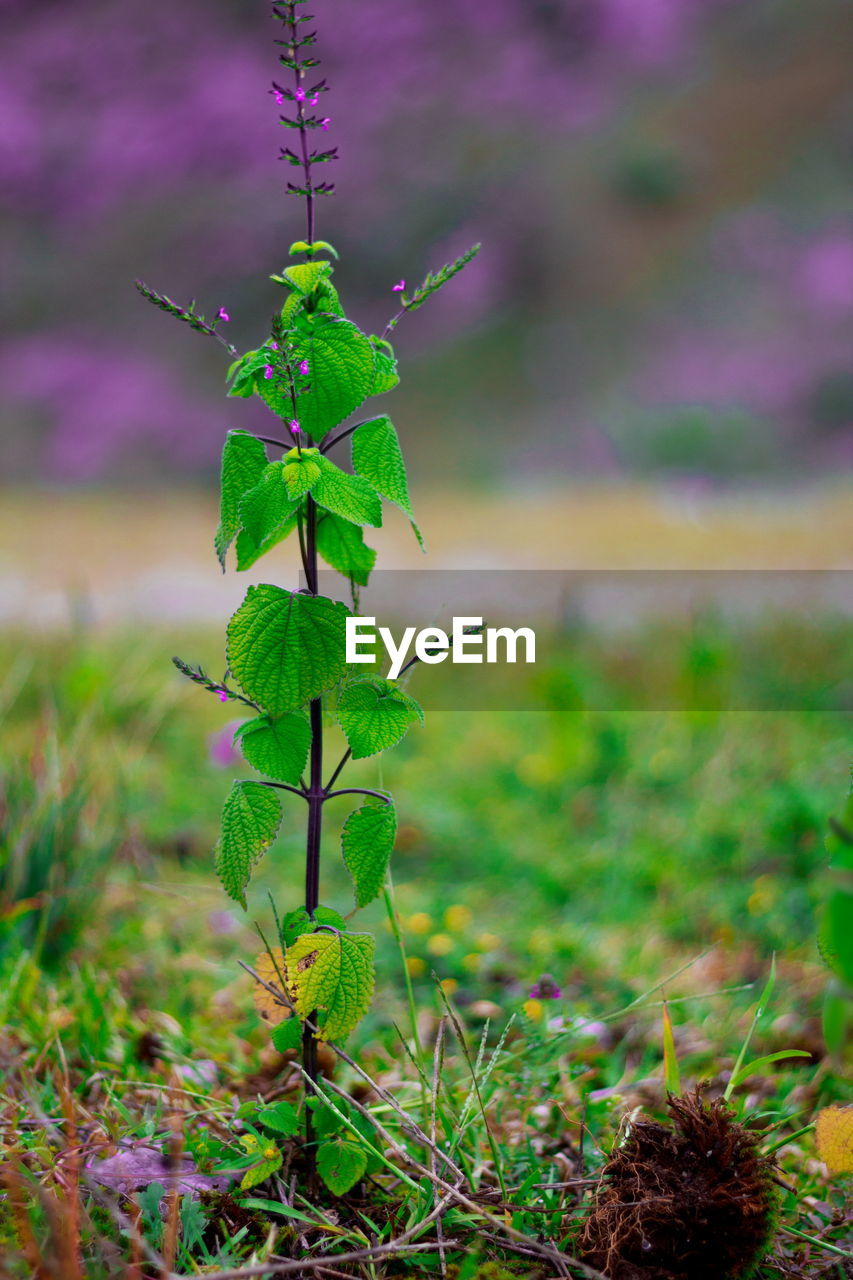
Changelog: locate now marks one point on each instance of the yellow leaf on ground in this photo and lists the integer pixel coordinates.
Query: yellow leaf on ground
(270, 967)
(834, 1129)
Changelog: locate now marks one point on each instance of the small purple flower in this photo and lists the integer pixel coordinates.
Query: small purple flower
(303, 368)
(325, 122)
(268, 371)
(273, 346)
(312, 102)
(300, 95)
(222, 314)
(223, 696)
(294, 426)
(398, 287)
(545, 989)
(279, 96)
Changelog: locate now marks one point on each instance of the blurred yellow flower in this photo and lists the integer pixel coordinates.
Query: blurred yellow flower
(541, 941)
(488, 942)
(440, 944)
(416, 966)
(458, 917)
(472, 961)
(420, 922)
(534, 1009)
(449, 985)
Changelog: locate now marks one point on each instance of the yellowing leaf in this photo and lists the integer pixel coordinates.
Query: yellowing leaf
(834, 1131)
(332, 974)
(269, 967)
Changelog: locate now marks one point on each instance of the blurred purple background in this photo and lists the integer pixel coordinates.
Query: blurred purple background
(661, 188)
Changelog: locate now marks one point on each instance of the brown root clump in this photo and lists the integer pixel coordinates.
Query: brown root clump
(694, 1201)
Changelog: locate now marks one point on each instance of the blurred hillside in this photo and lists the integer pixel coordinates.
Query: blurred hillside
(661, 188)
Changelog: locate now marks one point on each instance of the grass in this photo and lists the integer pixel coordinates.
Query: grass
(636, 855)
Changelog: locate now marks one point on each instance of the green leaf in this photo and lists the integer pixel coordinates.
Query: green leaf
(301, 471)
(266, 507)
(342, 545)
(367, 840)
(305, 276)
(671, 1073)
(342, 370)
(387, 377)
(340, 1163)
(333, 973)
(375, 714)
(758, 1064)
(287, 1035)
(351, 497)
(281, 1118)
(278, 748)
(241, 374)
(248, 551)
(260, 1172)
(244, 460)
(286, 648)
(377, 456)
(251, 817)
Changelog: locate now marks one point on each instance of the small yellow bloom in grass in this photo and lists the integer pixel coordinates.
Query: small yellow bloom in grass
(440, 944)
(458, 917)
(534, 1009)
(449, 985)
(420, 922)
(270, 1152)
(472, 961)
(541, 942)
(834, 1132)
(416, 966)
(488, 942)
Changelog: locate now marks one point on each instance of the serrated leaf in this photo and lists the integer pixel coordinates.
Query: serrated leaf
(251, 817)
(375, 714)
(244, 460)
(834, 1132)
(286, 648)
(340, 1164)
(301, 471)
(248, 551)
(342, 545)
(281, 1118)
(387, 377)
(351, 497)
(342, 369)
(268, 505)
(260, 1172)
(277, 747)
(367, 840)
(377, 456)
(241, 374)
(332, 973)
(305, 276)
(287, 1036)
(270, 967)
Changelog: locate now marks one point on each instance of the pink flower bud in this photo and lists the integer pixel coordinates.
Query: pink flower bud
(303, 368)
(294, 426)
(222, 314)
(268, 371)
(223, 696)
(325, 122)
(398, 287)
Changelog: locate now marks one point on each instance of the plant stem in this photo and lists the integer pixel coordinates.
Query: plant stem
(316, 796)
